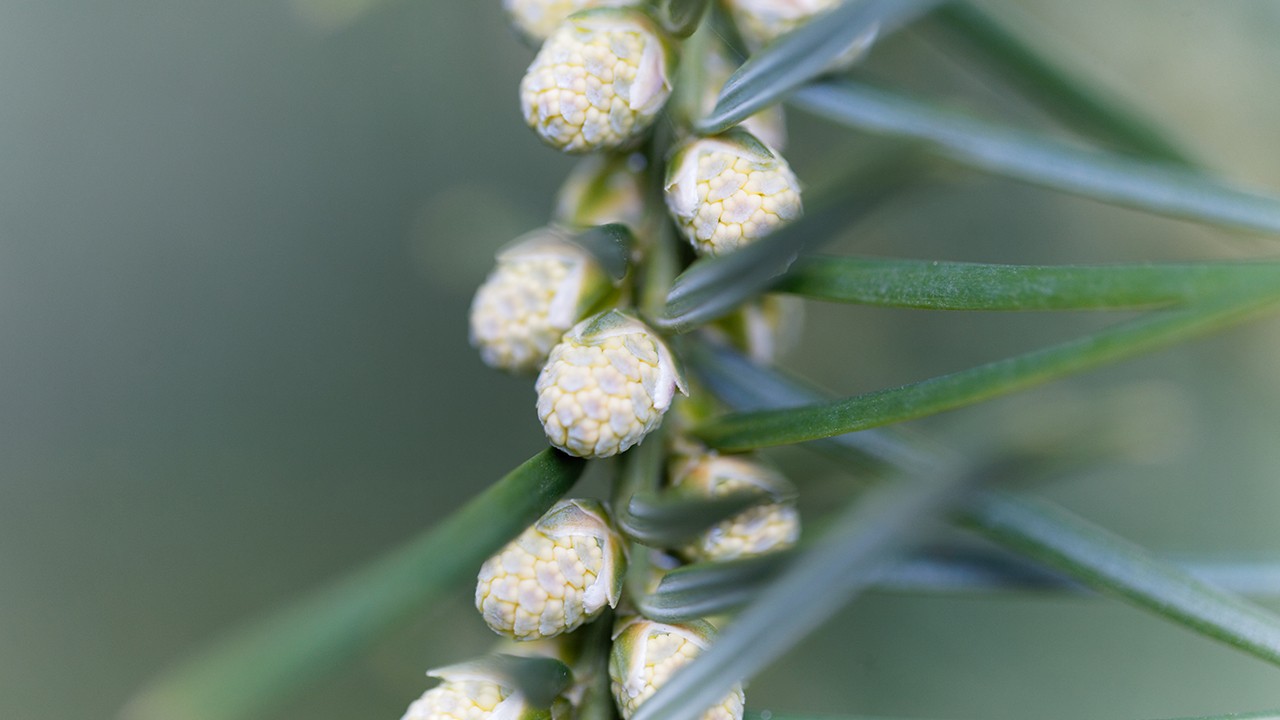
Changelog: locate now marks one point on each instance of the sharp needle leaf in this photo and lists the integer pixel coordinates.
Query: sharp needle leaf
(745, 431)
(935, 285)
(1044, 161)
(804, 54)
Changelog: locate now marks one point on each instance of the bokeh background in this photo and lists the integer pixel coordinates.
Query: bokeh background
(237, 245)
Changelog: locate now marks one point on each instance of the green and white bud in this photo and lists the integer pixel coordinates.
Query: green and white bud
(765, 329)
(606, 385)
(756, 531)
(469, 693)
(645, 655)
(543, 284)
(728, 191)
(558, 574)
(598, 82)
(603, 189)
(537, 19)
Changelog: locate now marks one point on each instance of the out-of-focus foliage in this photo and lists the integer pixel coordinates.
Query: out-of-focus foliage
(237, 244)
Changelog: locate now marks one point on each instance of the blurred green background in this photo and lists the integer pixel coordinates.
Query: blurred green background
(237, 245)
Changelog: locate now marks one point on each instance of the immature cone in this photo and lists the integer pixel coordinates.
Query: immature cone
(537, 19)
(728, 191)
(555, 576)
(542, 285)
(605, 386)
(598, 82)
(756, 531)
(471, 694)
(645, 654)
